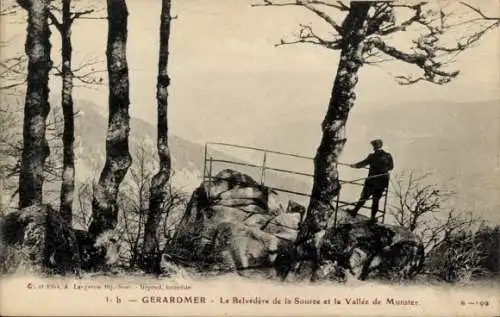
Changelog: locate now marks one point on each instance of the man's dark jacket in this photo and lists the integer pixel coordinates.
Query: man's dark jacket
(380, 163)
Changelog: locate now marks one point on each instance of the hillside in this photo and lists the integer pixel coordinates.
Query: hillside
(91, 125)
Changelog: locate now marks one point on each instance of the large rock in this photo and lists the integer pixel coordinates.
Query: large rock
(37, 239)
(234, 223)
(362, 249)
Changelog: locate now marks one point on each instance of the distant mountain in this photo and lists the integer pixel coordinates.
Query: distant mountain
(458, 143)
(91, 127)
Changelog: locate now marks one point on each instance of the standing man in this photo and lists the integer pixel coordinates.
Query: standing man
(380, 163)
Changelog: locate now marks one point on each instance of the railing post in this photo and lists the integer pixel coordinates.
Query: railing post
(263, 171)
(209, 177)
(205, 163)
(336, 209)
(385, 203)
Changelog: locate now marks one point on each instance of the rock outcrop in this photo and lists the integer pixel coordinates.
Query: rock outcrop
(234, 223)
(37, 239)
(357, 247)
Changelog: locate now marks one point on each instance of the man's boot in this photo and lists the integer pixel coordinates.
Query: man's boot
(353, 212)
(375, 204)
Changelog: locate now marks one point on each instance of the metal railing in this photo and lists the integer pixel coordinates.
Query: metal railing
(210, 160)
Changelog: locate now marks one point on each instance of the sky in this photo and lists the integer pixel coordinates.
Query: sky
(229, 81)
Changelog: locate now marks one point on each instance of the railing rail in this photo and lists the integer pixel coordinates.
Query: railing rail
(211, 160)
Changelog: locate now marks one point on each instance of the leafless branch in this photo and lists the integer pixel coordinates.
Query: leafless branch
(55, 21)
(11, 64)
(480, 12)
(375, 58)
(328, 19)
(415, 18)
(309, 5)
(80, 14)
(12, 72)
(306, 35)
(87, 64)
(89, 78)
(267, 3)
(14, 85)
(7, 9)
(336, 4)
(92, 18)
(428, 52)
(433, 71)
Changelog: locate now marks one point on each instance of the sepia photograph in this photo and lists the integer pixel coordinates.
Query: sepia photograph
(249, 158)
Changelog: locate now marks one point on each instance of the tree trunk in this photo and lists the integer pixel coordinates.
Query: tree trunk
(36, 109)
(118, 159)
(159, 184)
(326, 184)
(68, 175)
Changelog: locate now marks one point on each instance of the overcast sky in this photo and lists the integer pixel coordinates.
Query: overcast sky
(230, 82)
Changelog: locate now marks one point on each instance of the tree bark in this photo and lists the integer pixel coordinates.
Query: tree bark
(159, 184)
(68, 175)
(326, 184)
(36, 108)
(118, 159)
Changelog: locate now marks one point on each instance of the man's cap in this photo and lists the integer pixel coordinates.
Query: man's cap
(377, 142)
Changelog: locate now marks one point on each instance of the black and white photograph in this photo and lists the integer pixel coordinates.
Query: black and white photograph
(249, 157)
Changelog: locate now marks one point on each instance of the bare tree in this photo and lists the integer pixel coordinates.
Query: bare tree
(417, 198)
(422, 207)
(36, 109)
(135, 200)
(364, 37)
(68, 136)
(118, 160)
(159, 184)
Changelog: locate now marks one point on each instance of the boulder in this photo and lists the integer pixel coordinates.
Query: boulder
(284, 226)
(233, 223)
(364, 249)
(237, 246)
(37, 239)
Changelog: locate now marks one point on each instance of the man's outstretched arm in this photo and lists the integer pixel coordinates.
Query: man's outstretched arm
(362, 163)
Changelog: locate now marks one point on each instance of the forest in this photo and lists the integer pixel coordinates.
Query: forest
(130, 217)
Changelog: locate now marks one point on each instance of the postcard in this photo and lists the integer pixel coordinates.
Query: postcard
(249, 158)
